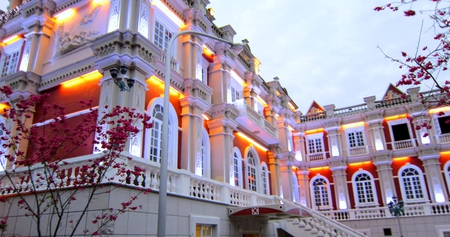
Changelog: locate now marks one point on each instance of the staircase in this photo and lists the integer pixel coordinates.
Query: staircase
(316, 225)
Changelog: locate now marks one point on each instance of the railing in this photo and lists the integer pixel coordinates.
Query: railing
(312, 117)
(360, 150)
(255, 117)
(173, 63)
(443, 138)
(392, 102)
(404, 144)
(425, 209)
(350, 110)
(317, 156)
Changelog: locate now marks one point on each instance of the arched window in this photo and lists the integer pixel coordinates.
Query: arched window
(447, 174)
(153, 136)
(364, 189)
(265, 179)
(296, 194)
(202, 159)
(412, 184)
(251, 173)
(321, 196)
(236, 169)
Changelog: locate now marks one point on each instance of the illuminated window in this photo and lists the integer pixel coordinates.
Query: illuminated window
(295, 187)
(236, 169)
(251, 172)
(321, 195)
(162, 35)
(154, 134)
(265, 179)
(364, 189)
(202, 158)
(204, 231)
(412, 184)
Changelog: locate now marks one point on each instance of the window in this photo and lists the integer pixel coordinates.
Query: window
(447, 173)
(236, 169)
(203, 231)
(235, 87)
(251, 169)
(154, 135)
(315, 147)
(295, 187)
(443, 127)
(320, 193)
(265, 179)
(203, 226)
(401, 134)
(235, 94)
(3, 150)
(364, 189)
(10, 63)
(203, 155)
(412, 183)
(355, 139)
(162, 35)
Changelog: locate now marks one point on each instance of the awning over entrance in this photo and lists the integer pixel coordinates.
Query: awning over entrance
(277, 211)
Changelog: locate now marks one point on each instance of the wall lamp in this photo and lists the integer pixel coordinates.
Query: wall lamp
(119, 81)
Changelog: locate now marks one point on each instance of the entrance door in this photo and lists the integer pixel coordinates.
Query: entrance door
(250, 235)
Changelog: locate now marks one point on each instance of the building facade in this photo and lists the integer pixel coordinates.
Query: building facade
(241, 156)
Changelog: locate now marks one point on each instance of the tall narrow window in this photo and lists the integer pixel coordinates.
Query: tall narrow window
(156, 133)
(320, 193)
(364, 189)
(162, 36)
(235, 179)
(355, 139)
(315, 147)
(265, 179)
(202, 159)
(251, 167)
(10, 64)
(153, 136)
(412, 184)
(356, 144)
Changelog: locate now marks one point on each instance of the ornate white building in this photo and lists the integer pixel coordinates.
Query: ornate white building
(242, 160)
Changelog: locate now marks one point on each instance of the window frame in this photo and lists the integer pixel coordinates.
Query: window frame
(265, 182)
(236, 168)
(173, 133)
(256, 166)
(391, 132)
(421, 179)
(205, 155)
(328, 193)
(8, 50)
(358, 202)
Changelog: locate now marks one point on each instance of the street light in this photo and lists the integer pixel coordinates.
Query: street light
(119, 81)
(162, 208)
(396, 209)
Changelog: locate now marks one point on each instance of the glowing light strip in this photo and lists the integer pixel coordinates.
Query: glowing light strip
(205, 117)
(207, 51)
(173, 90)
(396, 117)
(251, 141)
(445, 153)
(12, 39)
(319, 168)
(98, 2)
(353, 125)
(71, 115)
(179, 22)
(261, 100)
(314, 131)
(400, 158)
(237, 77)
(86, 77)
(360, 163)
(3, 107)
(292, 106)
(290, 128)
(65, 14)
(437, 110)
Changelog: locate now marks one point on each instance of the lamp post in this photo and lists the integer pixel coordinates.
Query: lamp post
(162, 208)
(397, 209)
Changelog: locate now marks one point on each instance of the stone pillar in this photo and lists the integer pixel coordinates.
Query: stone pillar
(338, 166)
(221, 129)
(192, 53)
(435, 182)
(374, 120)
(303, 184)
(383, 161)
(219, 79)
(299, 146)
(333, 129)
(275, 169)
(192, 125)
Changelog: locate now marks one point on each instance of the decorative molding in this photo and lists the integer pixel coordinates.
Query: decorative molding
(67, 43)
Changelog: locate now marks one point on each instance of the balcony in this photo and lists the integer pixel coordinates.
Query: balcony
(317, 156)
(404, 144)
(251, 120)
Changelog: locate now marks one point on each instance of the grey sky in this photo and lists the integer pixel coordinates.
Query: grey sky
(324, 50)
(3, 4)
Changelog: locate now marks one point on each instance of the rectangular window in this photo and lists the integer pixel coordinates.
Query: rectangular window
(315, 145)
(162, 35)
(10, 64)
(204, 231)
(355, 139)
(443, 125)
(400, 132)
(235, 94)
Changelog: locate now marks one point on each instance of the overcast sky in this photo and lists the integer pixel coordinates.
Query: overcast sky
(324, 50)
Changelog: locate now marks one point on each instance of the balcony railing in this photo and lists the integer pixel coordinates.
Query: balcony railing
(425, 209)
(443, 138)
(317, 156)
(360, 150)
(404, 144)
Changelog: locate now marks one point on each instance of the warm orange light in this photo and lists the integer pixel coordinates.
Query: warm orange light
(445, 153)
(291, 106)
(95, 75)
(3, 107)
(360, 163)
(251, 141)
(98, 2)
(11, 39)
(290, 128)
(319, 168)
(403, 158)
(173, 91)
(261, 100)
(312, 131)
(205, 117)
(237, 77)
(65, 14)
(208, 52)
(172, 16)
(396, 117)
(353, 125)
(437, 110)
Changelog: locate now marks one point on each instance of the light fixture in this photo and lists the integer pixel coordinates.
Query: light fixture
(119, 81)
(397, 209)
